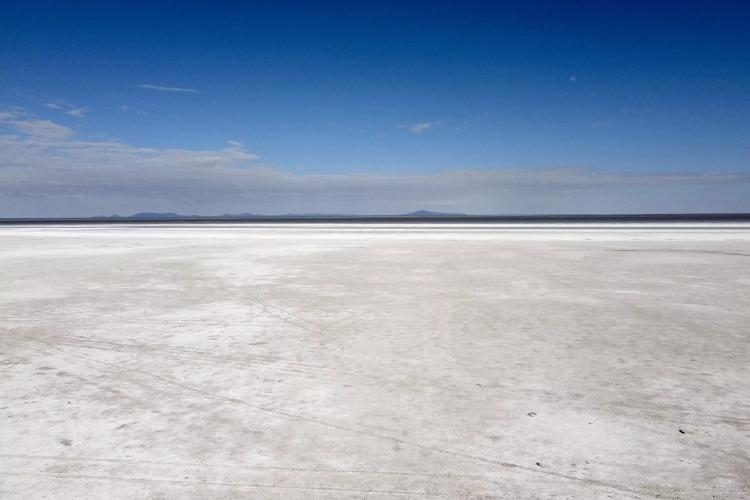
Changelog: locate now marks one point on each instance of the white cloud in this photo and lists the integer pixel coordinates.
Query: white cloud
(45, 169)
(573, 79)
(419, 128)
(149, 86)
(35, 130)
(77, 112)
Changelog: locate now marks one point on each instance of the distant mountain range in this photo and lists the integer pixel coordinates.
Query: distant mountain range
(418, 216)
(172, 215)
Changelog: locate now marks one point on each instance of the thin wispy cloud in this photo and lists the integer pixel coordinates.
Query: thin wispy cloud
(67, 108)
(45, 164)
(419, 128)
(162, 88)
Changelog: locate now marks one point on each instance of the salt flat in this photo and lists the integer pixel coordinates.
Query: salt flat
(375, 361)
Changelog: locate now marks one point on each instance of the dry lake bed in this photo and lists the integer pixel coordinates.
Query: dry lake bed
(375, 361)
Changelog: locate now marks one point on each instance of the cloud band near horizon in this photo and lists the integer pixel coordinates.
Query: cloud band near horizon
(46, 170)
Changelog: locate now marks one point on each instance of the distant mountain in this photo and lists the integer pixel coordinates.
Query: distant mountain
(427, 213)
(155, 215)
(169, 215)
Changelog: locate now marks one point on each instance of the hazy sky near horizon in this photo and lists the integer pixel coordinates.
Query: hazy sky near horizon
(374, 107)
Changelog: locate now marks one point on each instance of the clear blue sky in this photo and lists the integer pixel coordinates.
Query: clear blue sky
(394, 91)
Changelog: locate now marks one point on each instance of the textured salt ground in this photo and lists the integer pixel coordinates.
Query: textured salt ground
(353, 361)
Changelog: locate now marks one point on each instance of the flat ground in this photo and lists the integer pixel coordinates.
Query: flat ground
(330, 361)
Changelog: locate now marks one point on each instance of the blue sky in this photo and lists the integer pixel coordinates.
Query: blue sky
(374, 107)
